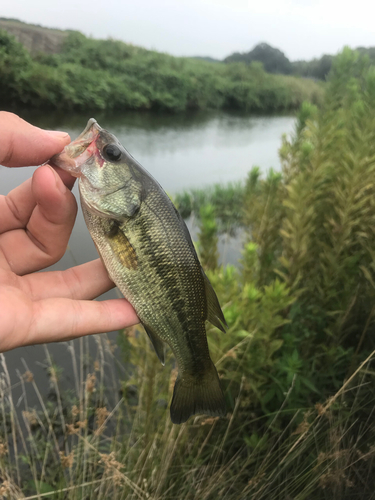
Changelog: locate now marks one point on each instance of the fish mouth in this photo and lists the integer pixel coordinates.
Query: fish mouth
(75, 154)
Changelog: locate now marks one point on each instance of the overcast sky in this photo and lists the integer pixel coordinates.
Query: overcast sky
(302, 29)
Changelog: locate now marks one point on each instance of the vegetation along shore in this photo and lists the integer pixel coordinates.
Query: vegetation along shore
(66, 70)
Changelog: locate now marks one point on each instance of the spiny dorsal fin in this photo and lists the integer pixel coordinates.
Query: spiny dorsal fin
(214, 313)
(156, 342)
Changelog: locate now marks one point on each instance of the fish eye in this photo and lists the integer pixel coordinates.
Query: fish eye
(112, 152)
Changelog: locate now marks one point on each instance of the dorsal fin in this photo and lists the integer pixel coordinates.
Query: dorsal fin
(156, 342)
(214, 313)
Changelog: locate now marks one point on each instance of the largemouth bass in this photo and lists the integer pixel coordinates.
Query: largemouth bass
(148, 253)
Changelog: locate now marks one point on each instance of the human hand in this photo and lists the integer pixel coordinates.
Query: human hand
(36, 220)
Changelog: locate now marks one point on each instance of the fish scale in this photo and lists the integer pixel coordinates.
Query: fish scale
(148, 253)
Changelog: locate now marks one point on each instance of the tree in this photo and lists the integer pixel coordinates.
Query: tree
(273, 60)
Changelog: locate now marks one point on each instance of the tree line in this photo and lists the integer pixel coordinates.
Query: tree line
(89, 74)
(275, 61)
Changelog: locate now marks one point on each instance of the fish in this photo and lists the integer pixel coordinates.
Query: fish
(148, 253)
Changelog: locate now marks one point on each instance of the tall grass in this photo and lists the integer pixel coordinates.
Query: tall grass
(82, 449)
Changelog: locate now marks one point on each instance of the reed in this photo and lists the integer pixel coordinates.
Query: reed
(131, 450)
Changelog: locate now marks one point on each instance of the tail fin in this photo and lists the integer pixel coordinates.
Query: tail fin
(195, 394)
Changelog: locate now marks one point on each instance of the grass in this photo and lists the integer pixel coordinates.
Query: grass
(226, 200)
(82, 447)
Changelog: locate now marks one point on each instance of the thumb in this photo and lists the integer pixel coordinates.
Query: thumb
(22, 144)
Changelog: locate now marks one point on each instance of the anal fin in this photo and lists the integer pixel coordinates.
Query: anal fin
(214, 313)
(156, 342)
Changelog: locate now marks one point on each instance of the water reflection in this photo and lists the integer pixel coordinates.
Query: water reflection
(188, 150)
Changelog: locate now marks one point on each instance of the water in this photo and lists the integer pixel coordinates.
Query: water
(182, 151)
(185, 150)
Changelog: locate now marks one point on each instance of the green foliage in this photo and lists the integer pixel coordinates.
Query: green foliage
(15, 62)
(208, 240)
(320, 68)
(262, 214)
(227, 202)
(311, 227)
(111, 75)
(317, 68)
(327, 232)
(273, 60)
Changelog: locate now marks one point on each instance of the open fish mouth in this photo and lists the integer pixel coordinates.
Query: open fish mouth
(75, 154)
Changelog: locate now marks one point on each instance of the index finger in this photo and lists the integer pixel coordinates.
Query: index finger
(44, 233)
(22, 144)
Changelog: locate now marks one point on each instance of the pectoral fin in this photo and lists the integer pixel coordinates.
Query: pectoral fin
(156, 342)
(122, 247)
(214, 313)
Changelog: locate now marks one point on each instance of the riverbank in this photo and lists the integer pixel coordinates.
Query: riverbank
(91, 75)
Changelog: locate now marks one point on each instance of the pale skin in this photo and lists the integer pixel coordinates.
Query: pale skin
(36, 220)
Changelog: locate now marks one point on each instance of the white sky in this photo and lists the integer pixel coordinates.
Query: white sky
(302, 29)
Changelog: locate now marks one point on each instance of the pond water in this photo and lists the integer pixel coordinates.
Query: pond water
(180, 151)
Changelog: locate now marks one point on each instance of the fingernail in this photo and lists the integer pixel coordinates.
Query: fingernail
(58, 134)
(59, 183)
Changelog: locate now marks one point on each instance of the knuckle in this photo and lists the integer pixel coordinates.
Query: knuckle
(7, 151)
(13, 209)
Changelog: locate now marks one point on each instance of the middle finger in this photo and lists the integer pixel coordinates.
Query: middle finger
(44, 239)
(16, 207)
(83, 282)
